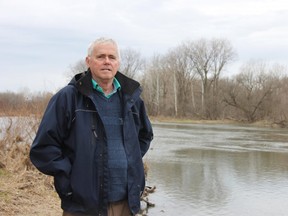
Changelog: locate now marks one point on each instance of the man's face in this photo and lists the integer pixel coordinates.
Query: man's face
(104, 62)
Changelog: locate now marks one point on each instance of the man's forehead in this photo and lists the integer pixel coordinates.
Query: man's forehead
(105, 48)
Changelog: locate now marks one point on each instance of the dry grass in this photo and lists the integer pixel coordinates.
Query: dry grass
(28, 193)
(24, 191)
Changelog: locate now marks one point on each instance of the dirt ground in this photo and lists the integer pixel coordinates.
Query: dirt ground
(28, 194)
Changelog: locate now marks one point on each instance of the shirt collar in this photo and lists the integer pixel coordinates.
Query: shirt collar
(116, 86)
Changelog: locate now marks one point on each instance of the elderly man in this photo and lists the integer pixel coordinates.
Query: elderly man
(93, 136)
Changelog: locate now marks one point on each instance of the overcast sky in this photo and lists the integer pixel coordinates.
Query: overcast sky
(40, 39)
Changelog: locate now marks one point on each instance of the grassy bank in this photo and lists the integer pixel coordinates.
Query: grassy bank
(160, 119)
(24, 190)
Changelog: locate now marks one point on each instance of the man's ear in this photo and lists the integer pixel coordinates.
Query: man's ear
(87, 60)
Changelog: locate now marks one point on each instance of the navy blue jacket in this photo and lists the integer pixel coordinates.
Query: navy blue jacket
(70, 145)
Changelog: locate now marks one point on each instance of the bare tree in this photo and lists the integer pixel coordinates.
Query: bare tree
(209, 58)
(156, 83)
(132, 64)
(280, 112)
(251, 91)
(78, 67)
(180, 68)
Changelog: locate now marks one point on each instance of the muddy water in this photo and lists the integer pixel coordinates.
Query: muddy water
(216, 170)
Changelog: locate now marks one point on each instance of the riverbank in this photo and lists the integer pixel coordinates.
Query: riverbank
(24, 190)
(28, 193)
(263, 123)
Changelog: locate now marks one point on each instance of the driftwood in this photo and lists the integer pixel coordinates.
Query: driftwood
(144, 198)
(145, 203)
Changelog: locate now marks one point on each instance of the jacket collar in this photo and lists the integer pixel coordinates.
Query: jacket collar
(84, 85)
(128, 85)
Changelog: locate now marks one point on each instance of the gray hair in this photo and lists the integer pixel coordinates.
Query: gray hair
(103, 40)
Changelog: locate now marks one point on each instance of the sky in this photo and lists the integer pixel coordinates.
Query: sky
(40, 40)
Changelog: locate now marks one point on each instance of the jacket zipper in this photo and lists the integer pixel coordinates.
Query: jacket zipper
(94, 131)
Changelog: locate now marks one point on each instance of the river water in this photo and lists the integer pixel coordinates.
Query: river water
(216, 169)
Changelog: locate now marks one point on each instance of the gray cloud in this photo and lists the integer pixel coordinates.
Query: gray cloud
(40, 39)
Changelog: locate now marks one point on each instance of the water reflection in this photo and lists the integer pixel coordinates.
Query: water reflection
(218, 170)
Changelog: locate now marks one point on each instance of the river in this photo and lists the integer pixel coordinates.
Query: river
(217, 169)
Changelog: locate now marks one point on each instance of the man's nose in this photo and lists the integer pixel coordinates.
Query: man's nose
(107, 59)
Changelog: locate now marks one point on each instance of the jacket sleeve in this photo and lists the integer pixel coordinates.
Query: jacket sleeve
(47, 150)
(146, 132)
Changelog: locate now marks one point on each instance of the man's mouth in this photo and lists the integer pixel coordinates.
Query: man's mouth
(106, 69)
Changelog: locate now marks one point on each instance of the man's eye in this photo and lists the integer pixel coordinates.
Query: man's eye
(100, 57)
(103, 57)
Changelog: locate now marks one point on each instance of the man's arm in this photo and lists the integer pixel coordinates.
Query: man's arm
(46, 152)
(146, 132)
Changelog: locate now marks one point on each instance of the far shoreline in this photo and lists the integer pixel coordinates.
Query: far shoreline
(262, 123)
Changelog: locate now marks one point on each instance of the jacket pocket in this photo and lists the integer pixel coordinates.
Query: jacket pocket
(62, 185)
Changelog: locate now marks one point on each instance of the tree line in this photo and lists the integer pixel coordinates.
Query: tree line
(188, 82)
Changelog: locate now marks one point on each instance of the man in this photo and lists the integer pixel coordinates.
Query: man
(93, 136)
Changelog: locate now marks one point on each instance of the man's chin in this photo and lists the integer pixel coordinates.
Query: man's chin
(106, 78)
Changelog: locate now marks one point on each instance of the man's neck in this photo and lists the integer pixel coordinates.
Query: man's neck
(106, 85)
(107, 88)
